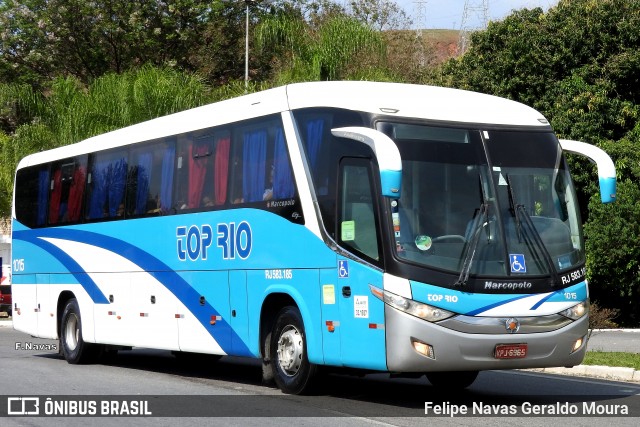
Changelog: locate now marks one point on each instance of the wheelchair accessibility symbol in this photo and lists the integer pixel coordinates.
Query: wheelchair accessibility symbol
(343, 269)
(518, 264)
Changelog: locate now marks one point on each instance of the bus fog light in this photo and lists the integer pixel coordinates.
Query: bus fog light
(578, 344)
(423, 349)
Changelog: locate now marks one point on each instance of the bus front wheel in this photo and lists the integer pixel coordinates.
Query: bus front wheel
(288, 353)
(74, 349)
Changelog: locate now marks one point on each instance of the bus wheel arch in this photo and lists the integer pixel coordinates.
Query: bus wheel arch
(287, 352)
(271, 306)
(72, 346)
(282, 332)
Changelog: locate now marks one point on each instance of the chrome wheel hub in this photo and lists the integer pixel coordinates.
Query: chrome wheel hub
(290, 347)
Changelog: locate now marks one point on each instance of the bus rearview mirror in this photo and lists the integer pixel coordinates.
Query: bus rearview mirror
(386, 152)
(606, 168)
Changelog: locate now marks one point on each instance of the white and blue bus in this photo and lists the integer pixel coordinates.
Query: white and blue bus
(384, 227)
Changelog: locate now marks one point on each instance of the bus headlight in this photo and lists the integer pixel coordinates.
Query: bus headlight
(409, 306)
(577, 311)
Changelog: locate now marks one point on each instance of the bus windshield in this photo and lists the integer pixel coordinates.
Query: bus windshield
(486, 203)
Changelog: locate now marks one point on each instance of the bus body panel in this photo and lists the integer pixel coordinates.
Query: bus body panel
(362, 320)
(303, 287)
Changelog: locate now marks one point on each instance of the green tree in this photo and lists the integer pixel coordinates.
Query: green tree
(44, 39)
(332, 48)
(381, 15)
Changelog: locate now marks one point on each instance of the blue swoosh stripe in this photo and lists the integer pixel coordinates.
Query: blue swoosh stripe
(147, 262)
(494, 305)
(70, 264)
(542, 300)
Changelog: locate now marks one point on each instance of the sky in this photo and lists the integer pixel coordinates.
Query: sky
(447, 14)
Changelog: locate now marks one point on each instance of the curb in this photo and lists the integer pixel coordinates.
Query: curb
(595, 371)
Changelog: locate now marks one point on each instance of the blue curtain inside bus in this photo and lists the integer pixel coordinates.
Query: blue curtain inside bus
(254, 164)
(282, 179)
(43, 190)
(315, 129)
(109, 179)
(116, 186)
(314, 140)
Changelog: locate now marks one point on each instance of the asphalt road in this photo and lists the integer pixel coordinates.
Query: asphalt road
(229, 392)
(628, 342)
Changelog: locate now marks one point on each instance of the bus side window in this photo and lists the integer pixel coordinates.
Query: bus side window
(32, 201)
(67, 190)
(150, 180)
(203, 170)
(357, 219)
(254, 164)
(220, 168)
(106, 185)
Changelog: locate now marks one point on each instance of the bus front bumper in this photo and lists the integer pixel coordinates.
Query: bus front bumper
(451, 350)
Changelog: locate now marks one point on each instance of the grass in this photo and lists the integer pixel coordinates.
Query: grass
(613, 358)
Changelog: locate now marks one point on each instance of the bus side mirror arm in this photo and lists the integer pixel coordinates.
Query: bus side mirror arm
(386, 152)
(606, 168)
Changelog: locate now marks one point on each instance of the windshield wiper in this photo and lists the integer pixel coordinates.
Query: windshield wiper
(478, 224)
(521, 216)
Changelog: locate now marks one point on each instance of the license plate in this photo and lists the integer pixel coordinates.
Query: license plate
(510, 351)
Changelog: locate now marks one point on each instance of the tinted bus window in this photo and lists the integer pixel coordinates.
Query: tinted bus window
(106, 185)
(150, 179)
(202, 169)
(67, 185)
(32, 191)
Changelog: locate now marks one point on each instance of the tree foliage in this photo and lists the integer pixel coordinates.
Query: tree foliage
(72, 111)
(337, 47)
(579, 65)
(381, 15)
(44, 39)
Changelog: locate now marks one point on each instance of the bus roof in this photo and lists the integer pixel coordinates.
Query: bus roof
(415, 101)
(393, 99)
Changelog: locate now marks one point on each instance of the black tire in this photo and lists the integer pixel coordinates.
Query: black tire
(292, 371)
(457, 380)
(74, 349)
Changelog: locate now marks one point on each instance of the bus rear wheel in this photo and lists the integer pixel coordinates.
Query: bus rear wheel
(288, 353)
(74, 349)
(452, 380)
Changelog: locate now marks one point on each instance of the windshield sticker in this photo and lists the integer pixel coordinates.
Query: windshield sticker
(348, 231)
(423, 243)
(518, 264)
